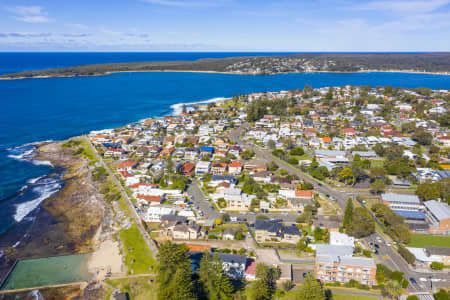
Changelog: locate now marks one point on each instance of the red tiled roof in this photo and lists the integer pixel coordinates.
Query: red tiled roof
(126, 164)
(150, 198)
(126, 174)
(349, 130)
(304, 193)
(235, 164)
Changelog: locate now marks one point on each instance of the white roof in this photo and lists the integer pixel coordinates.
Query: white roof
(421, 255)
(403, 198)
(439, 209)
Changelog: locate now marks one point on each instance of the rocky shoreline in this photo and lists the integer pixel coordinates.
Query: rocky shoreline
(71, 221)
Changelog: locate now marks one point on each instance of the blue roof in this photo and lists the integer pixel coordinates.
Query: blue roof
(206, 148)
(416, 215)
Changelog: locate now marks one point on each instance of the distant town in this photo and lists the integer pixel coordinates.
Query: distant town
(433, 63)
(346, 185)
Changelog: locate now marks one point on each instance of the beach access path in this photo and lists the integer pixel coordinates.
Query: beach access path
(151, 244)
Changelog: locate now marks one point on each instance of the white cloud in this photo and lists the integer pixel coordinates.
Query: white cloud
(413, 6)
(188, 3)
(76, 26)
(28, 14)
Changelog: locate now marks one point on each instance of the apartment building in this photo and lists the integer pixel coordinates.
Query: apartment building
(329, 268)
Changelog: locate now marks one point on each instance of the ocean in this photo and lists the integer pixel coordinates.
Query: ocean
(57, 108)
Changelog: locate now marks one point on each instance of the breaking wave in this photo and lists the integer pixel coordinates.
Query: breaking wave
(46, 188)
(178, 107)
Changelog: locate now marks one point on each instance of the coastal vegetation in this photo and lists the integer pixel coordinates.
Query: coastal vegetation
(424, 62)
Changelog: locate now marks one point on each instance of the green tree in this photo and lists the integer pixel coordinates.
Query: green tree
(265, 285)
(428, 191)
(174, 272)
(423, 137)
(348, 214)
(345, 174)
(215, 283)
(406, 254)
(378, 186)
(247, 154)
(362, 223)
(311, 289)
(393, 289)
(437, 265)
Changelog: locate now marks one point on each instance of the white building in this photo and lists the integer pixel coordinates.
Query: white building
(154, 213)
(341, 239)
(202, 167)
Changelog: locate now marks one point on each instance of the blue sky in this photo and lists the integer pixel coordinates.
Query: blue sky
(224, 25)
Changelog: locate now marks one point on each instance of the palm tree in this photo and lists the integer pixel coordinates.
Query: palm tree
(393, 288)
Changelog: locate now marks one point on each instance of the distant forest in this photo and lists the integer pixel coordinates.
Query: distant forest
(424, 62)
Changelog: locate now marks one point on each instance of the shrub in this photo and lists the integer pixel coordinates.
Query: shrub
(408, 256)
(437, 265)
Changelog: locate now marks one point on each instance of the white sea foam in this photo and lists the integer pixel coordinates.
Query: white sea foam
(178, 108)
(44, 191)
(35, 295)
(22, 156)
(41, 163)
(34, 180)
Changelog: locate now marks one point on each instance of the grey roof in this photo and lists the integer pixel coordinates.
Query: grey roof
(346, 260)
(224, 178)
(334, 250)
(358, 261)
(438, 251)
(439, 209)
(330, 153)
(233, 258)
(365, 153)
(400, 198)
(173, 218)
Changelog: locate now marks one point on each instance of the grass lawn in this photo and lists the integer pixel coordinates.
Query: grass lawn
(138, 288)
(376, 163)
(143, 259)
(303, 157)
(351, 297)
(423, 240)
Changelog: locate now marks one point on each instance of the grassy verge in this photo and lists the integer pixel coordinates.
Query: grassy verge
(423, 240)
(82, 149)
(138, 256)
(138, 288)
(352, 297)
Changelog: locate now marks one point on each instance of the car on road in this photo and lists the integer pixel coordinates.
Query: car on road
(284, 213)
(388, 244)
(412, 280)
(376, 252)
(376, 246)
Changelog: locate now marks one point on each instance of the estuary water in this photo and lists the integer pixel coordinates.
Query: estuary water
(35, 110)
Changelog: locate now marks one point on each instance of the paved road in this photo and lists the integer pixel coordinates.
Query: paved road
(200, 201)
(395, 261)
(265, 155)
(130, 205)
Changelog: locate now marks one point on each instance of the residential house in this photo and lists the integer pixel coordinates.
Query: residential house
(126, 166)
(297, 199)
(202, 167)
(274, 231)
(154, 213)
(218, 168)
(349, 132)
(235, 168)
